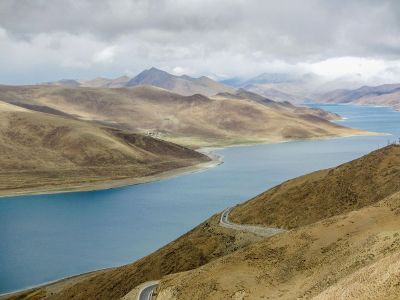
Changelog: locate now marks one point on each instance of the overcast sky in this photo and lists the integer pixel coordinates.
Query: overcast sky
(50, 40)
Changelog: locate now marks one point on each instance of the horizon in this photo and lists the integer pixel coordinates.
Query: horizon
(120, 38)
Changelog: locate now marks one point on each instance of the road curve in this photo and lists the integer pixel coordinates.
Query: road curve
(147, 290)
(259, 230)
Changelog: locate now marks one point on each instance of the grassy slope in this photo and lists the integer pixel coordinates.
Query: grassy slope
(329, 250)
(192, 120)
(44, 151)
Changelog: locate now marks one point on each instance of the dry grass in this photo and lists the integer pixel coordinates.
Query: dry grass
(328, 253)
(329, 257)
(49, 152)
(194, 120)
(326, 193)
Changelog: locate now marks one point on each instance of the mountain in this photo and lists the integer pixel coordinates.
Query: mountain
(47, 152)
(102, 82)
(183, 85)
(295, 88)
(64, 82)
(385, 95)
(343, 242)
(194, 121)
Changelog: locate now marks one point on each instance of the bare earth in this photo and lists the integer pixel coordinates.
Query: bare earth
(195, 121)
(344, 233)
(42, 152)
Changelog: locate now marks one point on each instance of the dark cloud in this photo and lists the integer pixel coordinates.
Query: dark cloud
(204, 36)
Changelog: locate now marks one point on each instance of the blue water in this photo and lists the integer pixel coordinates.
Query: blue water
(47, 237)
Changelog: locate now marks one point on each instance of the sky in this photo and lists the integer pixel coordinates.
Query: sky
(50, 40)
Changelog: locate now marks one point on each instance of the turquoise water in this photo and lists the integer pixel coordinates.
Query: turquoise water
(47, 237)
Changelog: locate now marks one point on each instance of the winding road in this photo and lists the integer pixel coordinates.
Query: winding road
(259, 230)
(148, 288)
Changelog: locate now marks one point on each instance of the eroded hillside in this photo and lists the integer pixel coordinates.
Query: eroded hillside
(45, 152)
(188, 120)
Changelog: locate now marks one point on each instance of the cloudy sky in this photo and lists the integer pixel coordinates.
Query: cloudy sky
(49, 40)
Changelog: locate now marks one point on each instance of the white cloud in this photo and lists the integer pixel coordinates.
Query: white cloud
(105, 55)
(198, 37)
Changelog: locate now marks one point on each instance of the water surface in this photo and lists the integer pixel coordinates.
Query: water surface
(47, 237)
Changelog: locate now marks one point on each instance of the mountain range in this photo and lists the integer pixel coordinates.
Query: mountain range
(281, 87)
(381, 95)
(183, 85)
(194, 121)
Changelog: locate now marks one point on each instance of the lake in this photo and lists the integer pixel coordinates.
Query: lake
(48, 237)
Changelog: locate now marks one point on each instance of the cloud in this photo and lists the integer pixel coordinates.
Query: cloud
(83, 38)
(105, 55)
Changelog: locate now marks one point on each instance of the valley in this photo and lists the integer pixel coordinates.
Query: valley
(209, 241)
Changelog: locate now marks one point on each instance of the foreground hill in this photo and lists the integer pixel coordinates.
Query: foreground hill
(385, 95)
(325, 193)
(45, 152)
(196, 121)
(326, 256)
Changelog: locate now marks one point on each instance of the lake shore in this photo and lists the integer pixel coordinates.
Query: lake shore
(215, 160)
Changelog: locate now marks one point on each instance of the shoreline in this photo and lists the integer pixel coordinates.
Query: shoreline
(208, 151)
(215, 161)
(119, 183)
(60, 281)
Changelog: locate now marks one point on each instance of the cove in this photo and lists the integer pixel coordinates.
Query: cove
(48, 237)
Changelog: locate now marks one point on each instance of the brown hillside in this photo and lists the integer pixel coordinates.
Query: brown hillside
(337, 258)
(46, 152)
(326, 193)
(189, 120)
(302, 262)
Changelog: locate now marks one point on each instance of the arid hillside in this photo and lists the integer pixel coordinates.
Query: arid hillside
(349, 256)
(381, 95)
(330, 253)
(45, 152)
(325, 193)
(193, 121)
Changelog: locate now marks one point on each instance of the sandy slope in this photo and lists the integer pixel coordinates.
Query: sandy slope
(195, 121)
(304, 262)
(44, 152)
(326, 255)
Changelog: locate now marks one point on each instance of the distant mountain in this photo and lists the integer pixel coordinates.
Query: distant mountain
(276, 86)
(385, 95)
(183, 85)
(63, 82)
(106, 82)
(271, 78)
